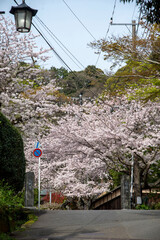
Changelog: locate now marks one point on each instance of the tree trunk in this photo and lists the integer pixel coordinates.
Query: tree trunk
(137, 183)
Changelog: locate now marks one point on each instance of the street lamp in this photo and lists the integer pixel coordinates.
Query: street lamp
(23, 17)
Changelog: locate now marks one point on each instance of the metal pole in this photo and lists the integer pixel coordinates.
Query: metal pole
(132, 179)
(39, 182)
(50, 197)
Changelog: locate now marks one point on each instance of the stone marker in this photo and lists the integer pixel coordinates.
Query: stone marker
(125, 192)
(29, 189)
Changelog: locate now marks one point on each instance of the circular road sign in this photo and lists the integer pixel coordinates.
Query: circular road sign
(37, 152)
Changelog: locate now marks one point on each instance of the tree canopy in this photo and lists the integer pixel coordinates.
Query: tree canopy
(89, 82)
(150, 8)
(141, 74)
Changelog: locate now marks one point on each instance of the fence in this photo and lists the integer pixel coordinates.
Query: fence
(112, 200)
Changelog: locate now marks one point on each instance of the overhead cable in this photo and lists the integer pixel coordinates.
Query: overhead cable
(107, 30)
(134, 10)
(139, 18)
(51, 47)
(79, 20)
(59, 43)
(49, 44)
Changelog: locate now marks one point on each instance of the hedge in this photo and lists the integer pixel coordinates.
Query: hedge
(12, 159)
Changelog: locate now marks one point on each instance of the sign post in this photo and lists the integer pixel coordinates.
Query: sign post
(37, 153)
(39, 182)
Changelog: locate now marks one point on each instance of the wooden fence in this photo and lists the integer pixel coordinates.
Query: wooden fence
(112, 200)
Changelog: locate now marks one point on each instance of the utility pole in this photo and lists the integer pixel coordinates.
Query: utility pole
(134, 35)
(133, 24)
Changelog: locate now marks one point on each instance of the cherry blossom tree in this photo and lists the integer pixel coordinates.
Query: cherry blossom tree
(18, 55)
(92, 139)
(81, 143)
(27, 94)
(32, 111)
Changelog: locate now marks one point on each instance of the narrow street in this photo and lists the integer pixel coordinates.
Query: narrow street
(83, 225)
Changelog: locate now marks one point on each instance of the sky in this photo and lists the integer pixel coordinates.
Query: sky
(94, 15)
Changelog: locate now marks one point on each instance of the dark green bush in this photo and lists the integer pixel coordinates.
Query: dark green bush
(4, 236)
(12, 159)
(11, 211)
(8, 198)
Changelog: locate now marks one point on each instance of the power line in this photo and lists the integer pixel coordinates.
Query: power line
(79, 20)
(47, 41)
(76, 77)
(51, 47)
(114, 7)
(49, 44)
(60, 47)
(134, 10)
(140, 12)
(60, 44)
(56, 40)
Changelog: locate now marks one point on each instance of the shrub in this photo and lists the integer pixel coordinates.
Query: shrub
(142, 207)
(8, 198)
(157, 206)
(4, 236)
(11, 211)
(12, 160)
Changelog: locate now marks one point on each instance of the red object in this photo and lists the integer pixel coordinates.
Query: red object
(55, 198)
(37, 152)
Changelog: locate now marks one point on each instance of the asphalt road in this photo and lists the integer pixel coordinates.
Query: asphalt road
(84, 225)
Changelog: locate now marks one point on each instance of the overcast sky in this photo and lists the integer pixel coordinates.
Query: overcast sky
(95, 16)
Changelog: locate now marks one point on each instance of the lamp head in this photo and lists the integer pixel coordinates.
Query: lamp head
(23, 17)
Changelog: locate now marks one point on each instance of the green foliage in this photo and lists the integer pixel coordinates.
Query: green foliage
(90, 82)
(4, 236)
(35, 196)
(157, 206)
(58, 73)
(142, 207)
(9, 198)
(148, 92)
(154, 172)
(11, 211)
(12, 160)
(116, 177)
(139, 78)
